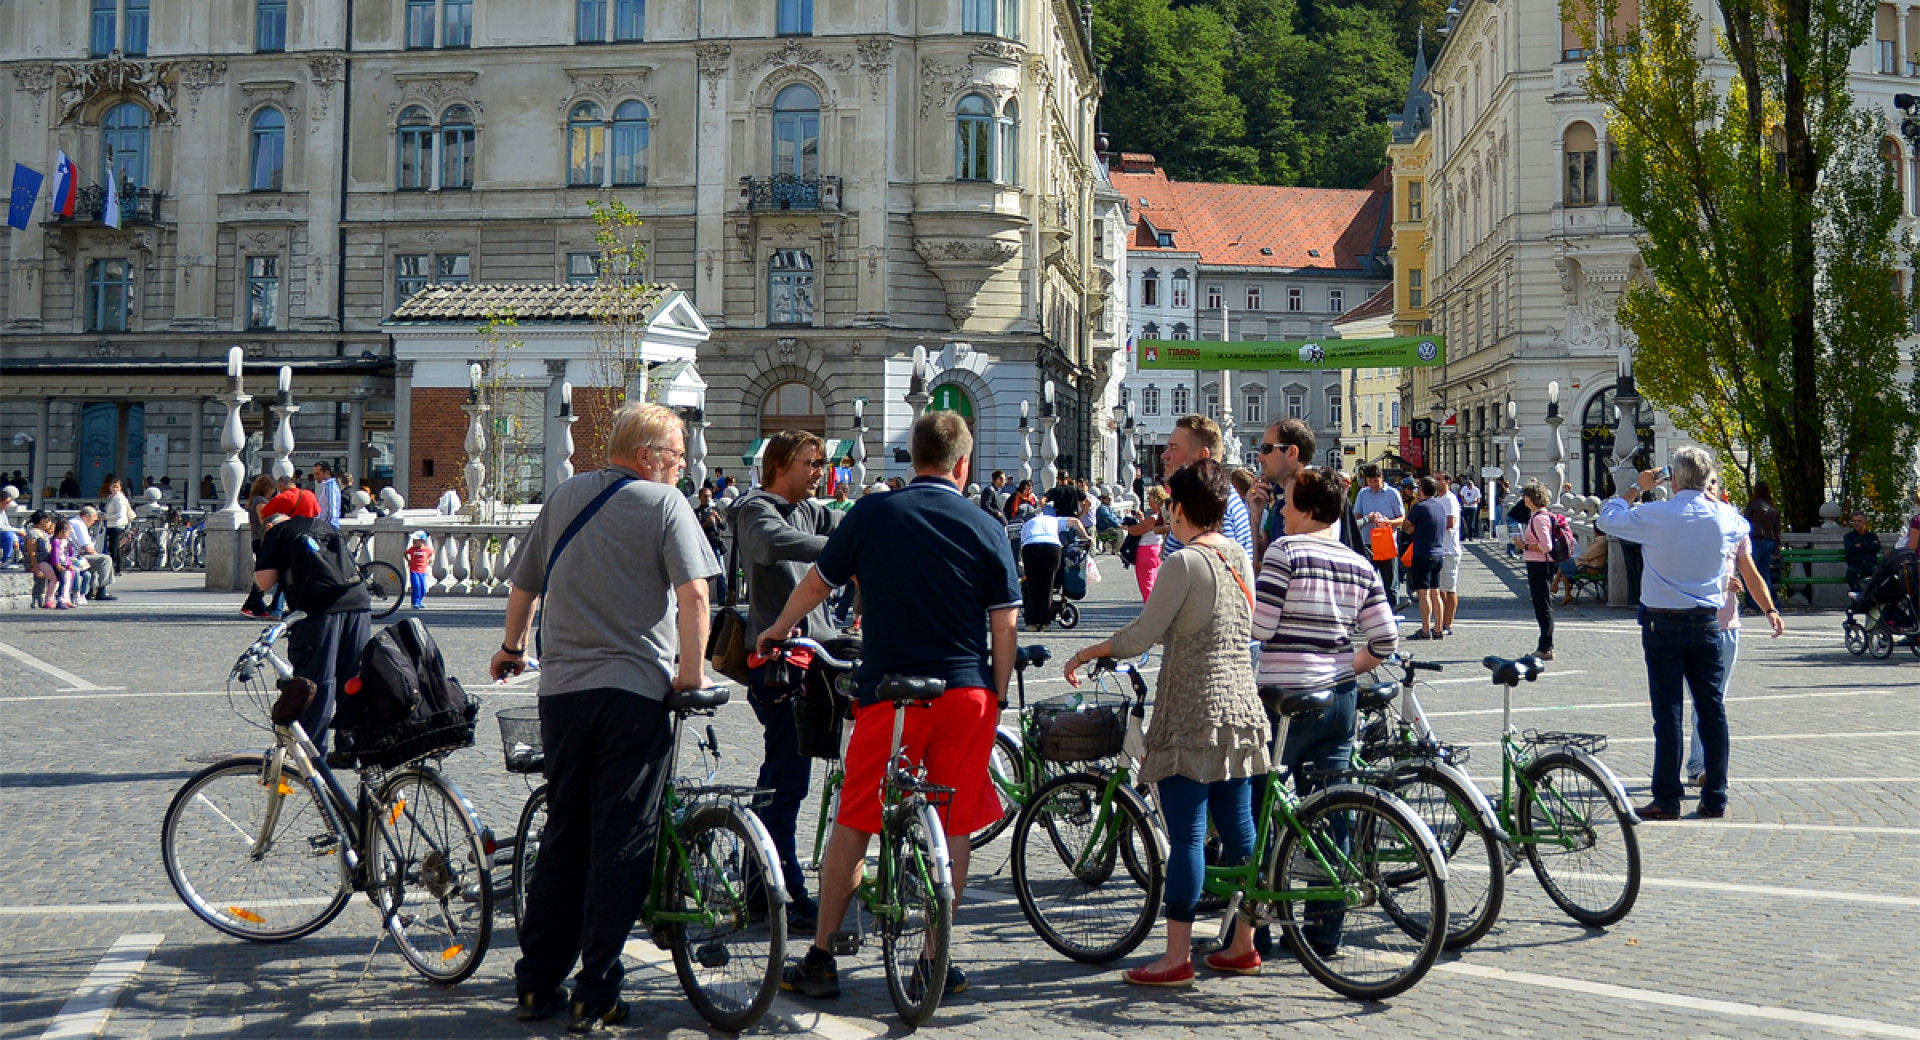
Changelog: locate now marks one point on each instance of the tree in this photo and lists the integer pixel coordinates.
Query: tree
(622, 299)
(1769, 227)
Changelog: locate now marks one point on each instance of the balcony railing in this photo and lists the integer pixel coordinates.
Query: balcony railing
(786, 191)
(137, 206)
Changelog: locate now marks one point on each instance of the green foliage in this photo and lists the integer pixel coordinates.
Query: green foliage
(1258, 91)
(622, 297)
(1770, 234)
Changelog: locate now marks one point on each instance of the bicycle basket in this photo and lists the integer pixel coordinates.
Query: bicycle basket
(821, 708)
(1081, 727)
(520, 739)
(427, 737)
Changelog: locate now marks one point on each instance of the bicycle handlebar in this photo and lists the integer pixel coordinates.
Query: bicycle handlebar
(819, 651)
(1108, 664)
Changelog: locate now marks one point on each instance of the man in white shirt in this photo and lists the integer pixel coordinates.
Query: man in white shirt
(1470, 505)
(1449, 554)
(81, 535)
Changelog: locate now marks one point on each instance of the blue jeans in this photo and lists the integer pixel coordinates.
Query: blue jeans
(417, 585)
(785, 772)
(1320, 743)
(1186, 805)
(1685, 654)
(1763, 550)
(1697, 751)
(9, 546)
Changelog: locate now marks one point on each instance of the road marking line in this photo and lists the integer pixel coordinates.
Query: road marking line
(1770, 891)
(87, 908)
(1877, 735)
(1643, 704)
(1726, 1008)
(73, 681)
(1811, 828)
(806, 1021)
(85, 1013)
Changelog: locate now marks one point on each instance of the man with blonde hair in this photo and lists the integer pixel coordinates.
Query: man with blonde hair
(621, 566)
(1197, 437)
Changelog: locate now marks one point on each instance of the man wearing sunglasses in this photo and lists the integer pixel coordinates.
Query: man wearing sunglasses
(781, 529)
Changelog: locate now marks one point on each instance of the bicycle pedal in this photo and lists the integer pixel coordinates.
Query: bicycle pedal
(713, 955)
(843, 944)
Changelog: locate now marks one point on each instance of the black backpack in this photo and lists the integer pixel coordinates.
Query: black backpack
(404, 705)
(320, 569)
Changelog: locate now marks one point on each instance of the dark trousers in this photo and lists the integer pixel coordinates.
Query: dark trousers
(326, 649)
(1325, 742)
(608, 757)
(1387, 576)
(114, 534)
(1041, 561)
(1684, 650)
(257, 601)
(1539, 586)
(785, 772)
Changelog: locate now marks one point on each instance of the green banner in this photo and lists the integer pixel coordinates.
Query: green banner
(1214, 355)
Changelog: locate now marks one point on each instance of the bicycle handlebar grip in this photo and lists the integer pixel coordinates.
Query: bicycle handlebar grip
(1427, 666)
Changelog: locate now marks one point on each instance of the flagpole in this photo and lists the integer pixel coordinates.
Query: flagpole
(1231, 445)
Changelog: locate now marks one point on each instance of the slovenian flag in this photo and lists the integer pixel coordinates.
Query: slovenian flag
(66, 187)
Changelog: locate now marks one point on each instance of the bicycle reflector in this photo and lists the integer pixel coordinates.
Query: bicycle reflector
(353, 686)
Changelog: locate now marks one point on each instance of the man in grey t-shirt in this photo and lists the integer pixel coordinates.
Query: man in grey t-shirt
(625, 589)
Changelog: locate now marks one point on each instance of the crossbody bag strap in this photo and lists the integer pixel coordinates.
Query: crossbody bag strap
(736, 567)
(566, 537)
(1237, 580)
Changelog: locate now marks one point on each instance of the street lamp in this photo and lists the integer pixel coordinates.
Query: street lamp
(1439, 416)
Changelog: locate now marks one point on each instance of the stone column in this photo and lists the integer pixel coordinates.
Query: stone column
(403, 427)
(1049, 446)
(196, 448)
(476, 444)
(696, 448)
(558, 411)
(356, 435)
(1026, 444)
(859, 445)
(229, 537)
(42, 420)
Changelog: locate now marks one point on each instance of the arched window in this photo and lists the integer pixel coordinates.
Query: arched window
(973, 147)
(1151, 331)
(790, 288)
(1181, 332)
(456, 148)
(630, 143)
(416, 150)
(1890, 163)
(1583, 165)
(792, 406)
(796, 133)
(586, 145)
(269, 155)
(125, 136)
(1010, 143)
(1182, 290)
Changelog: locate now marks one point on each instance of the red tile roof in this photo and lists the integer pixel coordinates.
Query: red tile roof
(1230, 224)
(1379, 303)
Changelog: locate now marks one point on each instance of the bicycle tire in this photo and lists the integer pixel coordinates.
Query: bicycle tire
(1073, 909)
(916, 957)
(1069, 616)
(1009, 761)
(295, 888)
(147, 551)
(1578, 887)
(1380, 954)
(526, 851)
(1476, 874)
(723, 858)
(386, 587)
(178, 553)
(200, 551)
(428, 845)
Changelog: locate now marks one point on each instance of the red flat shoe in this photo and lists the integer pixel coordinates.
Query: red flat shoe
(1173, 979)
(1248, 965)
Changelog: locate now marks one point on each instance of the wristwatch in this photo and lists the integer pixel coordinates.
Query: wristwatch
(505, 649)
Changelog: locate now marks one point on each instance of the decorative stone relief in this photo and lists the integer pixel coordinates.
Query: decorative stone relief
(794, 54)
(35, 80)
(325, 70)
(1000, 50)
(435, 90)
(275, 92)
(610, 86)
(943, 79)
(963, 265)
(197, 75)
(81, 82)
(712, 58)
(876, 57)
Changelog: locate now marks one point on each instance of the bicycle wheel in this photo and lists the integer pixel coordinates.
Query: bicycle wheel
(526, 850)
(179, 554)
(431, 876)
(1584, 851)
(916, 924)
(289, 885)
(1006, 764)
(1379, 939)
(729, 963)
(1069, 615)
(1856, 637)
(1476, 874)
(147, 551)
(1064, 849)
(386, 586)
(200, 551)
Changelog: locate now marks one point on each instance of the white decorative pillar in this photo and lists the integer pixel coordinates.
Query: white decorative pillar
(1556, 443)
(283, 434)
(859, 444)
(1230, 446)
(403, 427)
(563, 468)
(196, 447)
(476, 445)
(1128, 471)
(42, 421)
(229, 542)
(917, 396)
(356, 433)
(1049, 446)
(1513, 445)
(696, 448)
(1026, 444)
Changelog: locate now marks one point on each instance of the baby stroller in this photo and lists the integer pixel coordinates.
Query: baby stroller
(1072, 584)
(1886, 610)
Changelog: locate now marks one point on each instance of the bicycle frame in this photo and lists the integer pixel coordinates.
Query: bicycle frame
(670, 850)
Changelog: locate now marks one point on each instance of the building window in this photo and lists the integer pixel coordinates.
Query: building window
(416, 150)
(1150, 288)
(630, 143)
(1583, 166)
(795, 18)
(1152, 331)
(796, 133)
(1396, 413)
(1296, 405)
(452, 269)
(124, 134)
(1150, 400)
(790, 288)
(410, 275)
(583, 268)
(263, 292)
(1181, 332)
(1010, 19)
(135, 44)
(1335, 409)
(629, 20)
(590, 21)
(1416, 200)
(973, 144)
(269, 155)
(109, 290)
(456, 148)
(1213, 405)
(1180, 401)
(1182, 290)
(792, 406)
(1216, 297)
(1253, 297)
(420, 23)
(1337, 301)
(1251, 408)
(976, 16)
(458, 29)
(102, 37)
(1416, 288)
(270, 25)
(1009, 143)
(1296, 300)
(586, 146)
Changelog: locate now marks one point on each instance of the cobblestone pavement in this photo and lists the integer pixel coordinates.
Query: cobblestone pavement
(1795, 916)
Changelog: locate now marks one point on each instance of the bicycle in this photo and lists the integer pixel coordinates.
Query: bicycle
(186, 547)
(270, 847)
(910, 895)
(1558, 803)
(386, 587)
(726, 932)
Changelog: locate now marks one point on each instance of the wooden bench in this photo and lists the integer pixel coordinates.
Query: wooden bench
(1807, 559)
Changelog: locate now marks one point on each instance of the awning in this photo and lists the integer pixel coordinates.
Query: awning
(837, 449)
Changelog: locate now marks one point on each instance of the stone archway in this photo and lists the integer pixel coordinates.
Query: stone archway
(1597, 425)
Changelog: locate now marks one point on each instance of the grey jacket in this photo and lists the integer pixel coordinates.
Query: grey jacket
(778, 540)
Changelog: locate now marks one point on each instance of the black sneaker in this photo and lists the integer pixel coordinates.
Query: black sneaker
(580, 1020)
(817, 976)
(802, 918)
(536, 1007)
(956, 980)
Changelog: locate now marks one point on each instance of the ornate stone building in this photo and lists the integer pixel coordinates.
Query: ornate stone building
(831, 189)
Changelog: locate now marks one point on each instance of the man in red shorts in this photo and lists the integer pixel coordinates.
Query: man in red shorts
(941, 596)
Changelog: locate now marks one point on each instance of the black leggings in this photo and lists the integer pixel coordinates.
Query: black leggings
(1042, 563)
(1539, 579)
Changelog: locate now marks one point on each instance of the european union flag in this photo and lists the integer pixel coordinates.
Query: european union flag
(26, 192)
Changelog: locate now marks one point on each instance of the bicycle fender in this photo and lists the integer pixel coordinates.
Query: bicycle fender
(1010, 733)
(942, 858)
(473, 815)
(756, 833)
(1477, 800)
(1152, 815)
(1614, 786)
(1423, 833)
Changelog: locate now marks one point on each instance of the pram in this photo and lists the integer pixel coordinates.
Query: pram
(1072, 583)
(1886, 610)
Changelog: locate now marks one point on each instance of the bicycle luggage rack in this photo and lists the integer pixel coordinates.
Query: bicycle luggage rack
(691, 791)
(1591, 743)
(520, 739)
(1394, 750)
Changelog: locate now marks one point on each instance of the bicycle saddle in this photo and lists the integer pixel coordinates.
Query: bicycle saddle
(1294, 703)
(1030, 656)
(1509, 673)
(1373, 698)
(697, 700)
(902, 689)
(847, 648)
(296, 694)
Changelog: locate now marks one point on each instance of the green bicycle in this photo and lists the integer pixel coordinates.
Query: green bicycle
(717, 893)
(910, 895)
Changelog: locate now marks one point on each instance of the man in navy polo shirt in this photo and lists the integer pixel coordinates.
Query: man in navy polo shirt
(942, 599)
